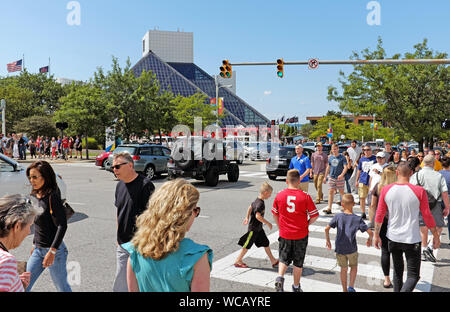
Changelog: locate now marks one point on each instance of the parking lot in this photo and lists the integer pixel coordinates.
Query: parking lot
(90, 237)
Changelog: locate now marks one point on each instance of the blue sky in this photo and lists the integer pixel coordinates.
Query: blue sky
(241, 31)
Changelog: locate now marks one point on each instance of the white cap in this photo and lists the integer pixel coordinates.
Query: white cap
(380, 154)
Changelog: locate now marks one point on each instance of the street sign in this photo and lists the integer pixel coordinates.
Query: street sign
(313, 63)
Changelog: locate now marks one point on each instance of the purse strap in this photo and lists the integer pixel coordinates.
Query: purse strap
(50, 202)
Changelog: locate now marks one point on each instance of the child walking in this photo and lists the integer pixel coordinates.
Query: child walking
(347, 225)
(256, 235)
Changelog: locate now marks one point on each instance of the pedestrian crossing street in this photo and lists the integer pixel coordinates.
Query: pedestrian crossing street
(320, 270)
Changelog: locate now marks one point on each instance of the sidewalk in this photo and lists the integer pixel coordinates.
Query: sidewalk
(30, 160)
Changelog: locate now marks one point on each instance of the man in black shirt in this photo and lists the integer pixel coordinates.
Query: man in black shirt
(132, 194)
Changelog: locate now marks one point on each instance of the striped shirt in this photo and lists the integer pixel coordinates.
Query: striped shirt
(9, 278)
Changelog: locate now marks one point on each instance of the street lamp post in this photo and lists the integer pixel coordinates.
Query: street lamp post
(3, 108)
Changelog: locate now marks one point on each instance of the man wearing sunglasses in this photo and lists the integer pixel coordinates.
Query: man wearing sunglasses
(132, 194)
(362, 177)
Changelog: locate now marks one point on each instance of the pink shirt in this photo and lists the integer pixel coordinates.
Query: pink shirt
(9, 278)
(404, 203)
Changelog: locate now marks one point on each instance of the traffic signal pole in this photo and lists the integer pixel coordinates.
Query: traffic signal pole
(354, 62)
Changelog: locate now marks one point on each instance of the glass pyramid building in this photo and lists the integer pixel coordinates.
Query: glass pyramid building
(186, 79)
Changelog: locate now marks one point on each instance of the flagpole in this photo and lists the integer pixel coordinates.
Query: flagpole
(23, 62)
(49, 67)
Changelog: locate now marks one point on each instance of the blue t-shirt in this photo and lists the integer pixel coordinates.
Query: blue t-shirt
(173, 273)
(347, 225)
(364, 165)
(301, 165)
(336, 165)
(446, 174)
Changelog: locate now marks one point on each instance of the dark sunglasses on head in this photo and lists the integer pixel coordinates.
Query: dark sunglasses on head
(197, 211)
(118, 166)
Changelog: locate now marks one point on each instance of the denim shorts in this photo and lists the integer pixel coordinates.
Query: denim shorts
(292, 250)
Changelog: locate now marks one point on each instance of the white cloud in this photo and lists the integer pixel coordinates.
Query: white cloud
(267, 92)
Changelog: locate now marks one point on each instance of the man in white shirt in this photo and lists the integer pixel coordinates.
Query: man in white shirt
(354, 151)
(375, 176)
(434, 183)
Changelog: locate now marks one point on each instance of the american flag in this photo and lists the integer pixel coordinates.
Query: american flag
(15, 66)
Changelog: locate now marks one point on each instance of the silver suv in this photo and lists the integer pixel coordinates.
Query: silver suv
(150, 159)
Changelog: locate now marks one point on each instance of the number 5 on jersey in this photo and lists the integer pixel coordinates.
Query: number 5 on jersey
(290, 203)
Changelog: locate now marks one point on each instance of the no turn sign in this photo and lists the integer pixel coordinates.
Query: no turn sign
(313, 63)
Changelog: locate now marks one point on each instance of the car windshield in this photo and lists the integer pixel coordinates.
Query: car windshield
(287, 152)
(129, 149)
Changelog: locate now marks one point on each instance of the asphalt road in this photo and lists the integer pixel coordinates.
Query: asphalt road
(91, 234)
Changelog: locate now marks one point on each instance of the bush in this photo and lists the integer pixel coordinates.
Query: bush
(92, 144)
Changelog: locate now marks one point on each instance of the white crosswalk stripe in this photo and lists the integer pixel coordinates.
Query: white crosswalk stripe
(224, 268)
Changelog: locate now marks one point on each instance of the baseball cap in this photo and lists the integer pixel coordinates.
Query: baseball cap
(380, 154)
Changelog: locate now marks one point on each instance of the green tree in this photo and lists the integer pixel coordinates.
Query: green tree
(412, 98)
(36, 125)
(306, 130)
(187, 108)
(18, 103)
(85, 110)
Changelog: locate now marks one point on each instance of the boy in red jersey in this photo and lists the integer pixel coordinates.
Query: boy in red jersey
(293, 211)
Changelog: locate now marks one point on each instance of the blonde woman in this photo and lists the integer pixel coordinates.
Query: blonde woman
(387, 177)
(161, 258)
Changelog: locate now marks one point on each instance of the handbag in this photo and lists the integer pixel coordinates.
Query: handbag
(68, 210)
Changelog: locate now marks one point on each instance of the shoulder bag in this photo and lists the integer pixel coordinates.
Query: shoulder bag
(431, 200)
(68, 210)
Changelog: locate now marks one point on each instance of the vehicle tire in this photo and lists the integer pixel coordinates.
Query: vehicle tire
(185, 164)
(106, 164)
(233, 173)
(272, 176)
(149, 172)
(170, 176)
(212, 177)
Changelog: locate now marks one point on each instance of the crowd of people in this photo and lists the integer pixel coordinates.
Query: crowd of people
(405, 199)
(16, 145)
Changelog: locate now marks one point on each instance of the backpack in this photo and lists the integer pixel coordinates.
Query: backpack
(431, 200)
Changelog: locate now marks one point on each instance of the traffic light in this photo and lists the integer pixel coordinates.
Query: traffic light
(225, 69)
(280, 64)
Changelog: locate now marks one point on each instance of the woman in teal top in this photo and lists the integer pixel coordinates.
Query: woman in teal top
(161, 258)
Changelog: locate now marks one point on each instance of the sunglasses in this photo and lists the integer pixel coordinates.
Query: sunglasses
(366, 149)
(118, 166)
(197, 211)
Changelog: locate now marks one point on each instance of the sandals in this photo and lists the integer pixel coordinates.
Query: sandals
(388, 286)
(241, 265)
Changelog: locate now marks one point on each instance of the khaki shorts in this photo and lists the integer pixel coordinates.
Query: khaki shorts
(363, 190)
(350, 260)
(304, 186)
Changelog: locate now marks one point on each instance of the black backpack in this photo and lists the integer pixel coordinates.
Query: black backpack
(431, 200)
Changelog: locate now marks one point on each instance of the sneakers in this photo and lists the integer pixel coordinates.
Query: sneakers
(279, 282)
(297, 289)
(351, 289)
(429, 254)
(364, 216)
